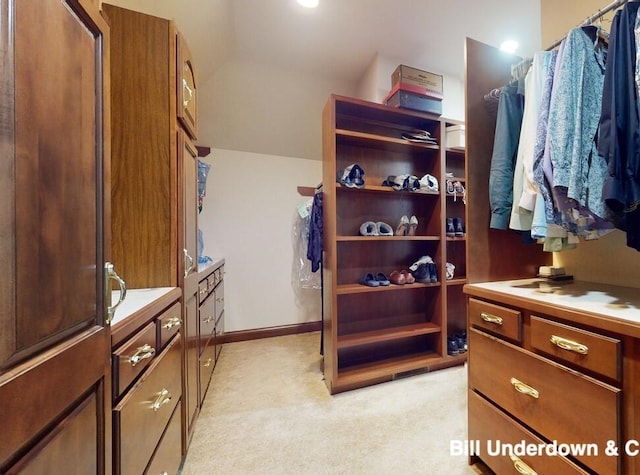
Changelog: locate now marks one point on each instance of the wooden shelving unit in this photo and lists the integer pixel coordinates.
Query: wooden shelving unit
(374, 334)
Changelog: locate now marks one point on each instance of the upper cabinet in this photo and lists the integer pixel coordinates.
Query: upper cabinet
(54, 209)
(187, 103)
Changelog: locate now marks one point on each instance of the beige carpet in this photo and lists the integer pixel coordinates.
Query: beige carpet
(268, 411)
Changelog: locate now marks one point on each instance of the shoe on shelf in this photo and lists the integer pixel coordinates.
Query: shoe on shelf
(352, 176)
(422, 274)
(428, 183)
(384, 229)
(452, 346)
(403, 227)
(369, 280)
(397, 278)
(458, 227)
(369, 228)
(413, 224)
(450, 270)
(451, 230)
(382, 279)
(458, 189)
(422, 260)
(433, 272)
(461, 341)
(450, 188)
(408, 278)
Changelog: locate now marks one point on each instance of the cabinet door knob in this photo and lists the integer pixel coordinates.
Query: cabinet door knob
(569, 345)
(524, 388)
(487, 317)
(164, 396)
(142, 353)
(522, 467)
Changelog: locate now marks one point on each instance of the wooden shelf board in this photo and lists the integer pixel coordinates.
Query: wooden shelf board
(365, 372)
(457, 281)
(461, 151)
(453, 239)
(387, 238)
(381, 140)
(386, 189)
(387, 334)
(359, 288)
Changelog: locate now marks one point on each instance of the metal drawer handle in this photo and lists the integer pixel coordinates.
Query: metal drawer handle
(142, 353)
(208, 362)
(163, 398)
(522, 467)
(487, 317)
(110, 273)
(569, 345)
(172, 322)
(207, 320)
(203, 291)
(524, 388)
(220, 299)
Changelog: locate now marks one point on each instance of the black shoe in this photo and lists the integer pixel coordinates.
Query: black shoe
(422, 274)
(458, 228)
(433, 272)
(452, 346)
(451, 231)
(461, 340)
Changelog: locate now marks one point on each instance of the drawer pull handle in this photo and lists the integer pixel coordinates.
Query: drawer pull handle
(142, 353)
(207, 362)
(220, 299)
(207, 320)
(487, 317)
(569, 345)
(522, 467)
(524, 388)
(204, 291)
(172, 322)
(163, 398)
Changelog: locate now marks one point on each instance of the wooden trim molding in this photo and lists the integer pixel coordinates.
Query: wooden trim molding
(294, 329)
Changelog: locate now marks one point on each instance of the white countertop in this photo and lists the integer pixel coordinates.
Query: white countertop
(135, 300)
(611, 301)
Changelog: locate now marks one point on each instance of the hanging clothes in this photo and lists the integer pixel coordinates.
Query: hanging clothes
(578, 170)
(314, 248)
(619, 136)
(505, 148)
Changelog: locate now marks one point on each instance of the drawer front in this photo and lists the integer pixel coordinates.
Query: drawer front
(554, 401)
(585, 349)
(169, 324)
(207, 364)
(496, 319)
(492, 432)
(142, 416)
(207, 319)
(219, 294)
(169, 452)
(203, 290)
(130, 360)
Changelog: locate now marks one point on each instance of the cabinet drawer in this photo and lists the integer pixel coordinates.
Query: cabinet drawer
(169, 452)
(207, 364)
(554, 401)
(585, 349)
(130, 360)
(219, 294)
(142, 416)
(203, 290)
(496, 319)
(169, 324)
(207, 319)
(491, 430)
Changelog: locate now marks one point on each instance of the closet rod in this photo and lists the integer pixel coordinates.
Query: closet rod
(589, 20)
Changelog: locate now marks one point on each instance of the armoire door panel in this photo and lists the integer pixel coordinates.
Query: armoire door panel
(56, 156)
(188, 160)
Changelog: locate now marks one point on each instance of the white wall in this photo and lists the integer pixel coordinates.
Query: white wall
(247, 218)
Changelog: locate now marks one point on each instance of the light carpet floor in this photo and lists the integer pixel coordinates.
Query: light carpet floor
(268, 411)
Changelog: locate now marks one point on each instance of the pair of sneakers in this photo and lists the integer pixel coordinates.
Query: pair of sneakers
(375, 280)
(371, 228)
(352, 176)
(424, 270)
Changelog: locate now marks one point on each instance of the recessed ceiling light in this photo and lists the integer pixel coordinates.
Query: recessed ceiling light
(509, 46)
(309, 3)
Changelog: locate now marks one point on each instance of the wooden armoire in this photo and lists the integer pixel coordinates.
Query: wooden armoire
(54, 238)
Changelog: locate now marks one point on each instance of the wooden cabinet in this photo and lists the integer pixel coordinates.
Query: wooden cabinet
(147, 360)
(54, 210)
(373, 334)
(567, 371)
